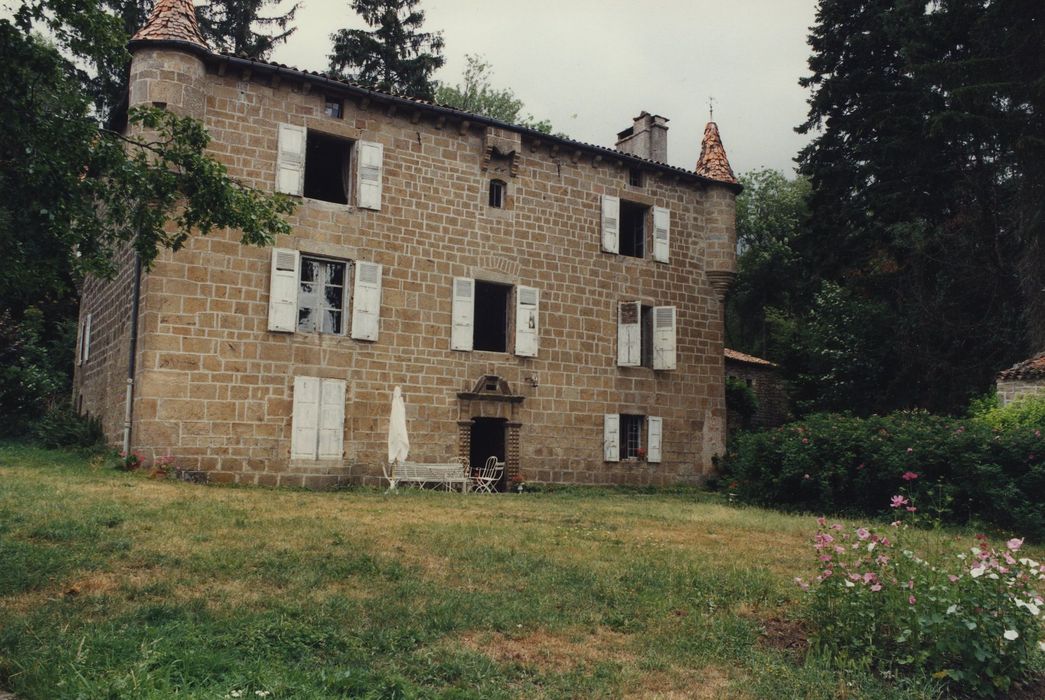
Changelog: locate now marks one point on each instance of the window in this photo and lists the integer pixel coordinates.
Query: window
(321, 296)
(624, 228)
(633, 229)
(327, 161)
(497, 192)
(635, 177)
(332, 107)
(631, 436)
(645, 335)
(310, 294)
(481, 316)
(83, 341)
(319, 418)
(317, 165)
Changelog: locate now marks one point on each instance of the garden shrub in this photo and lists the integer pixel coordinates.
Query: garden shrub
(62, 426)
(836, 463)
(1023, 413)
(970, 619)
(741, 399)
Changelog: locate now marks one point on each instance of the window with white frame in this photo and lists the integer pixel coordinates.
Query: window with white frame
(646, 336)
(318, 165)
(319, 418)
(482, 318)
(628, 436)
(313, 294)
(624, 225)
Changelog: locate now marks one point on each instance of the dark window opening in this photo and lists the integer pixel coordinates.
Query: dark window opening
(326, 167)
(647, 336)
(321, 297)
(631, 436)
(635, 177)
(491, 316)
(333, 107)
(497, 189)
(632, 229)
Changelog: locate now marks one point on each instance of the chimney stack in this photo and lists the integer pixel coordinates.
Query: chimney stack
(646, 138)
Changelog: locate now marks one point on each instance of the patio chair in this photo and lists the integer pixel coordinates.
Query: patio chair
(488, 475)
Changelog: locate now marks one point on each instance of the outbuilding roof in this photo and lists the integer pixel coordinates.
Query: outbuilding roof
(737, 356)
(1034, 368)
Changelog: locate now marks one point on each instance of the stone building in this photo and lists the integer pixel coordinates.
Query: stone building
(554, 303)
(764, 380)
(1022, 380)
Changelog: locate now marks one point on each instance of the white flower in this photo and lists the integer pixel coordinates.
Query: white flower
(961, 556)
(953, 609)
(993, 576)
(977, 571)
(262, 693)
(1042, 645)
(849, 584)
(1011, 635)
(236, 693)
(871, 546)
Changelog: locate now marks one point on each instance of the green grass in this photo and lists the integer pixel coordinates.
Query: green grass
(116, 586)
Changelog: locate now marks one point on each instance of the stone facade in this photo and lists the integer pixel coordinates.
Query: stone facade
(214, 385)
(1023, 380)
(764, 379)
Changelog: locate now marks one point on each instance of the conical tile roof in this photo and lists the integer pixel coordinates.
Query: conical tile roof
(713, 162)
(172, 20)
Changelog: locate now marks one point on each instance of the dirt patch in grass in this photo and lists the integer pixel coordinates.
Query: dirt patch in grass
(788, 636)
(549, 652)
(676, 684)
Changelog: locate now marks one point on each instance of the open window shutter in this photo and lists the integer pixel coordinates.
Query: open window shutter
(368, 174)
(610, 223)
(366, 301)
(463, 314)
(629, 334)
(331, 418)
(87, 339)
(663, 337)
(611, 437)
(79, 341)
(290, 159)
(306, 418)
(661, 234)
(283, 290)
(527, 329)
(654, 428)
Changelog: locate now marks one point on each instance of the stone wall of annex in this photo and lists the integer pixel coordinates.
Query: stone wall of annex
(215, 386)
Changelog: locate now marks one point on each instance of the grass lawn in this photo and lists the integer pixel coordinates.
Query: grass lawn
(114, 585)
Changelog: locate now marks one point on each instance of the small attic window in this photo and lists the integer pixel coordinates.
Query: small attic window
(497, 190)
(333, 107)
(635, 177)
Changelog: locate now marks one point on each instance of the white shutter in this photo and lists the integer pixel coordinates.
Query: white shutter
(86, 340)
(654, 430)
(79, 341)
(610, 223)
(290, 159)
(368, 174)
(283, 290)
(661, 234)
(663, 337)
(527, 328)
(629, 334)
(463, 314)
(305, 428)
(331, 419)
(366, 301)
(611, 437)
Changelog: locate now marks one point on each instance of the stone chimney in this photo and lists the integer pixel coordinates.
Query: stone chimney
(646, 138)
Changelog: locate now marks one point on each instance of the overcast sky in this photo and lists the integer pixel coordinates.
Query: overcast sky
(590, 66)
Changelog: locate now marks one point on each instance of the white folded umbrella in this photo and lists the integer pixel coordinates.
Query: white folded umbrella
(398, 441)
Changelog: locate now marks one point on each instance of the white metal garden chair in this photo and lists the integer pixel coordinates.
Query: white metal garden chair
(488, 475)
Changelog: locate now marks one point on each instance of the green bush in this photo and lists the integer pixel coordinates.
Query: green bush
(741, 399)
(837, 463)
(62, 426)
(1022, 413)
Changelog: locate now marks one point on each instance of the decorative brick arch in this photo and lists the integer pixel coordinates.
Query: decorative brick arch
(491, 397)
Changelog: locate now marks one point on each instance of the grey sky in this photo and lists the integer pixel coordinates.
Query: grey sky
(589, 66)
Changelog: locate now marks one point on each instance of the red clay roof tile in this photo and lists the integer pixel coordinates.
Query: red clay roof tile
(738, 356)
(172, 20)
(712, 162)
(1034, 368)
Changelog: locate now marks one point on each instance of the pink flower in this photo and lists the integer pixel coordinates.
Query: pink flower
(912, 600)
(897, 501)
(1014, 544)
(806, 477)
(912, 509)
(876, 587)
(825, 557)
(826, 573)
(805, 441)
(910, 450)
(869, 577)
(882, 559)
(862, 533)
(952, 578)
(821, 521)
(909, 476)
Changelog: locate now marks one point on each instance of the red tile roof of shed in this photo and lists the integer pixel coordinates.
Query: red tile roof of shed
(713, 162)
(737, 356)
(1034, 368)
(172, 20)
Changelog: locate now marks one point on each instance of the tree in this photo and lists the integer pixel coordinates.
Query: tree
(915, 190)
(478, 96)
(72, 195)
(228, 26)
(396, 57)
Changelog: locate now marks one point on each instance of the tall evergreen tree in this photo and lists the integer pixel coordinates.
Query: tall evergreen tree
(396, 56)
(229, 26)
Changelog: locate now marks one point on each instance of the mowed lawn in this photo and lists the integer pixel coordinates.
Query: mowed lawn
(115, 585)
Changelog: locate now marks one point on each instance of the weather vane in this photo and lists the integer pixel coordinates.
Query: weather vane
(711, 108)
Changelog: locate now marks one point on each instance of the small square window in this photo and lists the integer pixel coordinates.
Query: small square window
(632, 240)
(322, 295)
(631, 436)
(497, 191)
(635, 177)
(327, 160)
(333, 107)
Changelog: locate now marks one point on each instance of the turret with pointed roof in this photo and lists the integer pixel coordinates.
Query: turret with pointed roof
(713, 162)
(172, 20)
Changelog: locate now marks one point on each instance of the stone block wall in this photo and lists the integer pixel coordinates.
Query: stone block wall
(1011, 390)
